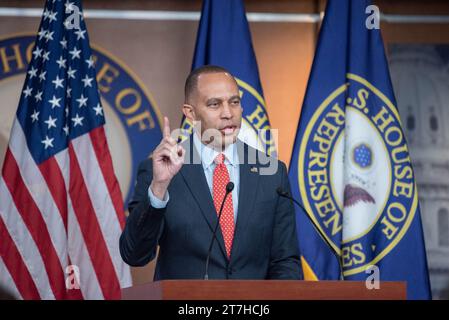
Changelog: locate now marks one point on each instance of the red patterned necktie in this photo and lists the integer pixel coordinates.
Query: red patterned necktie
(220, 180)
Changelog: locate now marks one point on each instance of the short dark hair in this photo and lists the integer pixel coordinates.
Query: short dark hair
(192, 79)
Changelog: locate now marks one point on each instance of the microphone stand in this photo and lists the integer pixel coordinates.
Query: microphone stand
(229, 188)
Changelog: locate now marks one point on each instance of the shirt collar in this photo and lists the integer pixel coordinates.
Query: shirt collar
(208, 154)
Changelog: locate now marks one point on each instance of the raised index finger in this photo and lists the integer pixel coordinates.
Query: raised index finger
(166, 130)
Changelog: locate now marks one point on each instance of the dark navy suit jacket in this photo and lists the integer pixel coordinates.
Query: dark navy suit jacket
(265, 242)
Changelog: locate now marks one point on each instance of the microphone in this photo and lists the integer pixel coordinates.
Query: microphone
(229, 188)
(287, 195)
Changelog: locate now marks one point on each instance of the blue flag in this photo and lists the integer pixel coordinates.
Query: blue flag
(224, 39)
(351, 166)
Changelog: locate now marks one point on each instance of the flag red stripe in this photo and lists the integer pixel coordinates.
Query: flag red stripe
(15, 265)
(101, 149)
(74, 294)
(32, 218)
(93, 238)
(55, 183)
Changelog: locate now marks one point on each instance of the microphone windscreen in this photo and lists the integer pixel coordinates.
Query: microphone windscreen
(229, 187)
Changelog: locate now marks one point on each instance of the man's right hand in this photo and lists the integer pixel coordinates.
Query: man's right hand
(168, 158)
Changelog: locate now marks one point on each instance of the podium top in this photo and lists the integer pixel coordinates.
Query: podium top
(264, 290)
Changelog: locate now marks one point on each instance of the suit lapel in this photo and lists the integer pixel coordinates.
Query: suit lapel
(249, 178)
(193, 174)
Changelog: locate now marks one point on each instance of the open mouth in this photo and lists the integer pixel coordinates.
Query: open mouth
(228, 130)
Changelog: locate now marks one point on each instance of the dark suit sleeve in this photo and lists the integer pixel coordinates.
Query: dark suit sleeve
(144, 225)
(285, 260)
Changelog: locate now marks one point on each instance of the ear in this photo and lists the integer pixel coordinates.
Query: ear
(189, 112)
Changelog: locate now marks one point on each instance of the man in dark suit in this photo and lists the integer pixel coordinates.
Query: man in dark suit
(181, 188)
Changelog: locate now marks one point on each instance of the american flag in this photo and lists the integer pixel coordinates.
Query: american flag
(61, 209)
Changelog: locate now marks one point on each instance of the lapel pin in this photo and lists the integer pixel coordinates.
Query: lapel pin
(254, 169)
